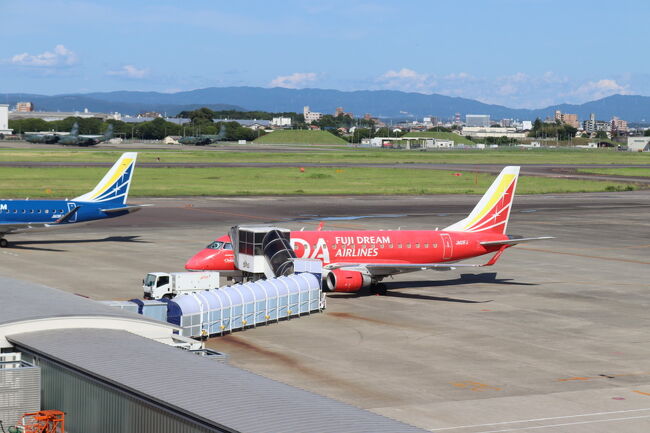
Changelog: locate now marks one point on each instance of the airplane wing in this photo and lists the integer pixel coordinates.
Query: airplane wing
(6, 228)
(385, 269)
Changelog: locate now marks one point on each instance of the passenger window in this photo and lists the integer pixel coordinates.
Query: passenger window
(31, 211)
(408, 245)
(382, 246)
(333, 246)
(399, 245)
(426, 245)
(39, 211)
(417, 245)
(390, 245)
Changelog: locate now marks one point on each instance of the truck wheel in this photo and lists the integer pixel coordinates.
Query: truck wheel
(167, 296)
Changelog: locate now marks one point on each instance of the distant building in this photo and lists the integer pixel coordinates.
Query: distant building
(526, 125)
(480, 120)
(24, 107)
(506, 123)
(569, 119)
(311, 116)
(50, 116)
(457, 119)
(592, 125)
(281, 122)
(151, 114)
(4, 119)
(367, 116)
(619, 126)
(340, 112)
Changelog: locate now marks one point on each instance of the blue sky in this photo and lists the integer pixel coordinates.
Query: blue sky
(519, 53)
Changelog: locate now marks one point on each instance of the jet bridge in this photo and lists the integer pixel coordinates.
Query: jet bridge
(264, 252)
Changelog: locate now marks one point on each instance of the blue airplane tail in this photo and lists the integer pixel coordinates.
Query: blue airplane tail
(113, 189)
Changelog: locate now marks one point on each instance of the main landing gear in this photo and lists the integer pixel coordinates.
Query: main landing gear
(3, 243)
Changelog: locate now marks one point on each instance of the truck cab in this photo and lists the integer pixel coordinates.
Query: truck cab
(156, 285)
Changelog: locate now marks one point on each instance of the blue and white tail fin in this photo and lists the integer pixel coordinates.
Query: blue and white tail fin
(114, 187)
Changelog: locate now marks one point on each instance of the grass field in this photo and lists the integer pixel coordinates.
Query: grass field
(289, 136)
(625, 171)
(442, 136)
(507, 156)
(159, 182)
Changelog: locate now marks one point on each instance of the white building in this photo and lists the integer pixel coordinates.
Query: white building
(479, 131)
(311, 116)
(638, 144)
(4, 120)
(281, 121)
(477, 120)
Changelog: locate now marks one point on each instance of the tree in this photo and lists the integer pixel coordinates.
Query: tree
(646, 132)
(359, 134)
(601, 135)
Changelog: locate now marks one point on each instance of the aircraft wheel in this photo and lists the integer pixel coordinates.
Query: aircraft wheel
(3, 243)
(378, 289)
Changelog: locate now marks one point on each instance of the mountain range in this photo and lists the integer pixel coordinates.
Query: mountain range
(380, 103)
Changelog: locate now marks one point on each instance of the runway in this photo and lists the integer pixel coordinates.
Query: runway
(555, 337)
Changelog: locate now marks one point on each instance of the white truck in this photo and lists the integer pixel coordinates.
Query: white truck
(159, 285)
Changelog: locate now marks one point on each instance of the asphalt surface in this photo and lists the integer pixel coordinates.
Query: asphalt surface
(553, 338)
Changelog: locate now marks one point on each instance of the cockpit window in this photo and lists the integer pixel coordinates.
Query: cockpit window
(227, 246)
(216, 245)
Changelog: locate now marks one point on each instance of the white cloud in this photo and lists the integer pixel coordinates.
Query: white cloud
(294, 81)
(407, 80)
(129, 71)
(600, 89)
(60, 56)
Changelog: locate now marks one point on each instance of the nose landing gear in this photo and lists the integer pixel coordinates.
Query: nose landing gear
(3, 243)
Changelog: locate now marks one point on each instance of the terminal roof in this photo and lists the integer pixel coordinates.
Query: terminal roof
(204, 390)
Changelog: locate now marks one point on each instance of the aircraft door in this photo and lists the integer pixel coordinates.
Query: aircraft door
(73, 218)
(447, 246)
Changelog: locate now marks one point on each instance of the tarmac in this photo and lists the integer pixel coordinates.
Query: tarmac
(555, 337)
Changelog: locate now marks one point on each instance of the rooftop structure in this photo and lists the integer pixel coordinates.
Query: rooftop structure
(89, 352)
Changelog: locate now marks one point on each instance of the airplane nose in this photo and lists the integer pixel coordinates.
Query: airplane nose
(196, 263)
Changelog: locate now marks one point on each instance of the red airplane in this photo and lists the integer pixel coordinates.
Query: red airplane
(356, 259)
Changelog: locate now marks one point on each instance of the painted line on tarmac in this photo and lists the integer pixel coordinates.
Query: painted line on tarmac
(265, 218)
(565, 424)
(611, 259)
(542, 419)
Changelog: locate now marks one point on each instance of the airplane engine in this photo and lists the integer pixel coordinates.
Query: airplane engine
(339, 280)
